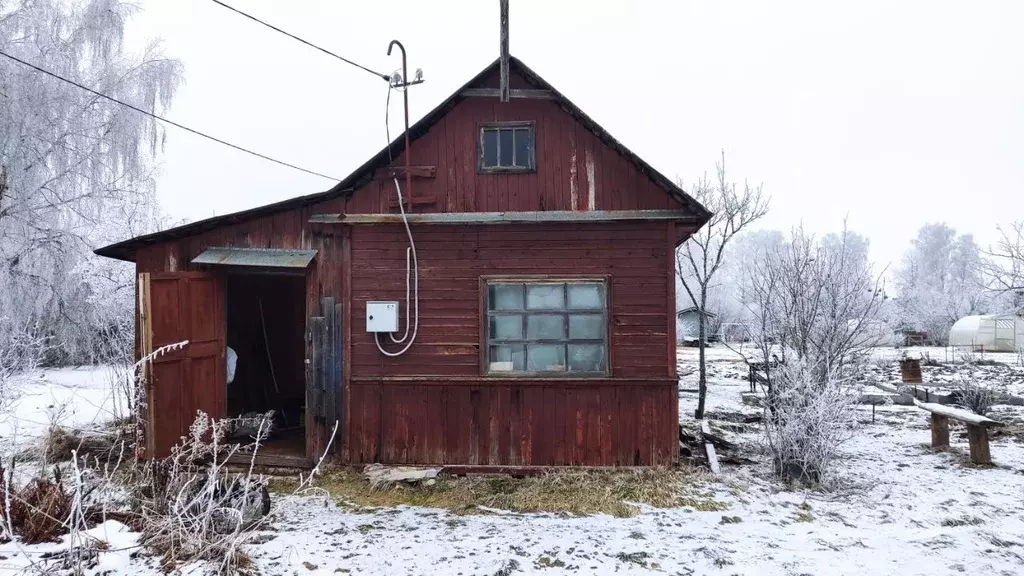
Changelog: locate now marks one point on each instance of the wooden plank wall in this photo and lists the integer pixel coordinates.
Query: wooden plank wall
(432, 405)
(571, 161)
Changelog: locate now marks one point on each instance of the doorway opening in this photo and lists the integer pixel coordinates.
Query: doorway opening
(266, 318)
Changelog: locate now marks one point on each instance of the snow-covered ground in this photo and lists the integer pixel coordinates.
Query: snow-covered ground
(69, 397)
(898, 508)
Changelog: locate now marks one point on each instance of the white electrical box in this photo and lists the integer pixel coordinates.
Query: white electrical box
(382, 316)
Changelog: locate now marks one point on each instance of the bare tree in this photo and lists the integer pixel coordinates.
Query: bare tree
(1004, 262)
(813, 300)
(700, 257)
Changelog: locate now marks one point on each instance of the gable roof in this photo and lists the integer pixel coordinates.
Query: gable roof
(125, 250)
(695, 310)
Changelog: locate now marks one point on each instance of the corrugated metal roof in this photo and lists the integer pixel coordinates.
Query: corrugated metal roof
(262, 257)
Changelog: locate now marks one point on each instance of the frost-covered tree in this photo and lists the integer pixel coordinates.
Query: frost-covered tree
(813, 299)
(940, 281)
(76, 170)
(1004, 266)
(700, 257)
(728, 296)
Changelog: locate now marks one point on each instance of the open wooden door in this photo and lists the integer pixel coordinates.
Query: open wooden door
(177, 307)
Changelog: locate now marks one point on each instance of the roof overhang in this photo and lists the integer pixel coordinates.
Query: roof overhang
(538, 217)
(256, 257)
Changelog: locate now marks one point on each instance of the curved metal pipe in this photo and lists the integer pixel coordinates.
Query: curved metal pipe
(405, 102)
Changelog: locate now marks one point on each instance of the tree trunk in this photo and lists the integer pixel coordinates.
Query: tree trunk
(702, 383)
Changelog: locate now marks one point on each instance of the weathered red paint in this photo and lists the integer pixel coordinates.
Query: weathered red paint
(434, 405)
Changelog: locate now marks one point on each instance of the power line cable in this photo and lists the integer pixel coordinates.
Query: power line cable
(386, 77)
(165, 120)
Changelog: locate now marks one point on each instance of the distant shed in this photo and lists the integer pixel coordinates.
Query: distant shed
(688, 325)
(546, 291)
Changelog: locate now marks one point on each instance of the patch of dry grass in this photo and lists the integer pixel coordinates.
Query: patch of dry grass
(576, 493)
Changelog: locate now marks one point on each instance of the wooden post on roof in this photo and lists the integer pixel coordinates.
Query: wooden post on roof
(504, 93)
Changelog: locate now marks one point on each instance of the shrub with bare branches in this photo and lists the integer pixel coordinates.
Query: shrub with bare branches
(808, 420)
(813, 299)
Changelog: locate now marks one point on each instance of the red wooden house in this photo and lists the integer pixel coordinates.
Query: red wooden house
(546, 300)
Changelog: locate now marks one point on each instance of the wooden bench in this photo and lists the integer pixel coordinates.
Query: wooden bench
(756, 368)
(977, 429)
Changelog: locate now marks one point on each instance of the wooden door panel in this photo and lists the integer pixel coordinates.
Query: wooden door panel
(165, 416)
(205, 303)
(185, 306)
(166, 303)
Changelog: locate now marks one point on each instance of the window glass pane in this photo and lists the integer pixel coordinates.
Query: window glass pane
(545, 327)
(524, 144)
(506, 296)
(587, 326)
(545, 296)
(586, 296)
(506, 327)
(586, 357)
(507, 358)
(490, 144)
(545, 357)
(505, 147)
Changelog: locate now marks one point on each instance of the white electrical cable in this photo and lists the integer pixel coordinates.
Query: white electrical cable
(410, 258)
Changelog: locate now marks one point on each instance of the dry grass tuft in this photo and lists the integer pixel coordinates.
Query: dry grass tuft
(39, 510)
(574, 493)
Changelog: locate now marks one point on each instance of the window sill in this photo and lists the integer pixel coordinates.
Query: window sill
(506, 170)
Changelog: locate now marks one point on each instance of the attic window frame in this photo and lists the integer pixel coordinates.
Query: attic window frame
(498, 126)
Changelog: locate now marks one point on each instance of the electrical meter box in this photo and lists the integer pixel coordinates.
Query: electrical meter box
(382, 316)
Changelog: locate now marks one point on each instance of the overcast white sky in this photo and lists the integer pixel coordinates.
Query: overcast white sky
(893, 113)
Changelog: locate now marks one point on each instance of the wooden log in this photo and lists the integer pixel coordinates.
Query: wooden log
(977, 436)
(940, 431)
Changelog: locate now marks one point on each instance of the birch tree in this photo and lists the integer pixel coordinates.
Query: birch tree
(700, 257)
(76, 170)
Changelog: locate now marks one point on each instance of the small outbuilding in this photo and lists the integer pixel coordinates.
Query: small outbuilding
(539, 253)
(688, 325)
(988, 333)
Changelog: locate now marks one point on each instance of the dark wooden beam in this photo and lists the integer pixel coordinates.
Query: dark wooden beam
(526, 93)
(503, 5)
(414, 201)
(389, 172)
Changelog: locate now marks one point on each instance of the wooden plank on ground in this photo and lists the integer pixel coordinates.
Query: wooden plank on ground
(709, 449)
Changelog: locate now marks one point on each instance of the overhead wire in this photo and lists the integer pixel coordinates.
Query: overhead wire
(386, 77)
(165, 120)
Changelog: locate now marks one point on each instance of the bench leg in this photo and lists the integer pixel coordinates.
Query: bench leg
(940, 431)
(978, 438)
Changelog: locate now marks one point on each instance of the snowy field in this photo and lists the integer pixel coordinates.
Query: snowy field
(897, 508)
(70, 397)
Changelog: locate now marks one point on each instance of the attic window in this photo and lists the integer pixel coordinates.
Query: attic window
(507, 147)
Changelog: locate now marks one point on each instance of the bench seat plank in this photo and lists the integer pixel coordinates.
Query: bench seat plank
(960, 414)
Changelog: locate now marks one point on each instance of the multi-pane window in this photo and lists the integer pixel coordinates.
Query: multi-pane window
(507, 147)
(546, 327)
